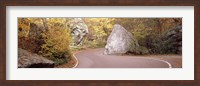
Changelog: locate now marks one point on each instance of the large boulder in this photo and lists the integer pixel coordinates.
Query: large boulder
(79, 30)
(121, 41)
(29, 60)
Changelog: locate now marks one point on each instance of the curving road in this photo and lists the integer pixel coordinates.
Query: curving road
(94, 58)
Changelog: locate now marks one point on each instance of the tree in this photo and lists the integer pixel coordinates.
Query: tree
(45, 23)
(99, 29)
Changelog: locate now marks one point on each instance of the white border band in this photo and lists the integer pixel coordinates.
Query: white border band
(185, 73)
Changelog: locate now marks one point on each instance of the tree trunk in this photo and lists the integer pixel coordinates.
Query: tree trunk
(159, 27)
(45, 23)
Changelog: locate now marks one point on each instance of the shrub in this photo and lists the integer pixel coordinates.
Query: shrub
(30, 44)
(23, 27)
(168, 42)
(95, 43)
(25, 41)
(56, 43)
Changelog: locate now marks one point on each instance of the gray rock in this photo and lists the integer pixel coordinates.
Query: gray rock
(29, 60)
(79, 30)
(121, 41)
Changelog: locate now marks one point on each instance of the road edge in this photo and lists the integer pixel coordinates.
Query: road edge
(170, 65)
(77, 62)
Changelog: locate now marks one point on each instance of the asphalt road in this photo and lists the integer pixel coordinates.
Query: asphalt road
(94, 58)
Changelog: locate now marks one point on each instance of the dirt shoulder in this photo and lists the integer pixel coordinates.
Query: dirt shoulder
(69, 64)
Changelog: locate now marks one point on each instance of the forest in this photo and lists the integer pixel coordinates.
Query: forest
(57, 39)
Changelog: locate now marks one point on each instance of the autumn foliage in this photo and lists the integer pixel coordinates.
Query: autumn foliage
(51, 37)
(47, 37)
(56, 42)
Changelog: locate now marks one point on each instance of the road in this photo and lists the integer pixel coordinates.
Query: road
(94, 58)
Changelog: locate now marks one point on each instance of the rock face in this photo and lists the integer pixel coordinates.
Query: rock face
(78, 30)
(121, 41)
(29, 60)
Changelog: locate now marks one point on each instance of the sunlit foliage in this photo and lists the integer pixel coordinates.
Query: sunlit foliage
(23, 27)
(46, 36)
(100, 29)
(52, 37)
(57, 41)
